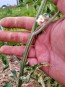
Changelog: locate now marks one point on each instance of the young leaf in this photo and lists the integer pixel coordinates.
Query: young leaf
(5, 61)
(5, 67)
(14, 74)
(8, 85)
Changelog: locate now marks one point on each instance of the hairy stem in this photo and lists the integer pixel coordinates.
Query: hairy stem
(43, 3)
(40, 28)
(23, 62)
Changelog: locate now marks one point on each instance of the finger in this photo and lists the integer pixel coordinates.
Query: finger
(17, 50)
(32, 61)
(61, 5)
(14, 36)
(17, 22)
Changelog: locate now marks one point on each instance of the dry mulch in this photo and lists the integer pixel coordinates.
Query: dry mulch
(5, 76)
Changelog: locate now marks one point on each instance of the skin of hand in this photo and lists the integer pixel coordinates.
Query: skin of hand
(49, 46)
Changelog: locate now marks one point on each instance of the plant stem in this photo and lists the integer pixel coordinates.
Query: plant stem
(23, 62)
(38, 30)
(43, 3)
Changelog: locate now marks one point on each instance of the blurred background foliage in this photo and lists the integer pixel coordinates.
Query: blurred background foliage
(26, 8)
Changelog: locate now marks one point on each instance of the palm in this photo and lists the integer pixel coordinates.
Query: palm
(49, 48)
(49, 45)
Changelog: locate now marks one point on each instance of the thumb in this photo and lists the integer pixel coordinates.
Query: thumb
(60, 4)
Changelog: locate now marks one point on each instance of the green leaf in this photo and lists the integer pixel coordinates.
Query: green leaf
(14, 74)
(8, 85)
(5, 67)
(4, 59)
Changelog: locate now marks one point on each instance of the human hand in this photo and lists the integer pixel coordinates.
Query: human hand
(47, 47)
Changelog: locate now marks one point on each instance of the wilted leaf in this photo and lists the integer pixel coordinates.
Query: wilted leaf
(41, 81)
(40, 65)
(26, 78)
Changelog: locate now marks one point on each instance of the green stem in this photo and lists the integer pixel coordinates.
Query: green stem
(37, 31)
(23, 62)
(43, 3)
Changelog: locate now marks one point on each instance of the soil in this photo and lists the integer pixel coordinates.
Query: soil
(5, 77)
